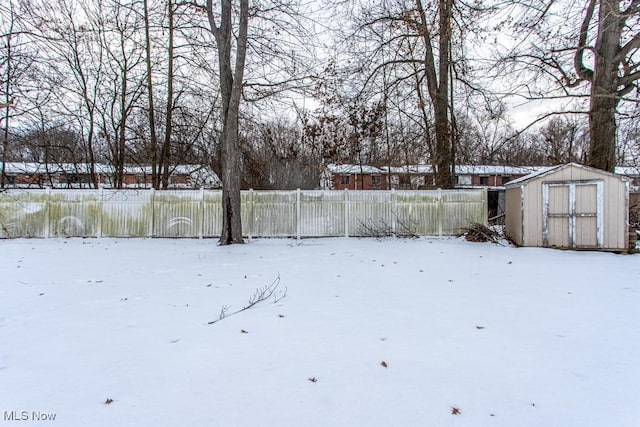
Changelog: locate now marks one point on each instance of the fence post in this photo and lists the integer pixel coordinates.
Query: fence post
(201, 226)
(100, 209)
(298, 213)
(151, 221)
(393, 211)
(485, 204)
(439, 212)
(251, 214)
(347, 208)
(47, 223)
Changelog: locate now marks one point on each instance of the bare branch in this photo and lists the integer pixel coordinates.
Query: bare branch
(578, 59)
(258, 296)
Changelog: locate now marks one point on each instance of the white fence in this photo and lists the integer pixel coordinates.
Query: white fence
(198, 213)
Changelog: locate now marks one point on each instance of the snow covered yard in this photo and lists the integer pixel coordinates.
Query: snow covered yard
(114, 333)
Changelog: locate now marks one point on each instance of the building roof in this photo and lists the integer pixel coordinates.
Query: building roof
(628, 170)
(199, 174)
(465, 169)
(495, 170)
(409, 169)
(353, 169)
(547, 170)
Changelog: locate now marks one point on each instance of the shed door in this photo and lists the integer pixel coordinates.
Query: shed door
(572, 214)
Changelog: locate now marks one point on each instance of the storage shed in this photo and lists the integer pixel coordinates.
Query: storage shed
(569, 206)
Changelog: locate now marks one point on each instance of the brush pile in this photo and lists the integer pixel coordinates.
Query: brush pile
(481, 233)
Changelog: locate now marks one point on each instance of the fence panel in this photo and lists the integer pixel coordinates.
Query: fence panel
(418, 212)
(369, 212)
(24, 213)
(461, 208)
(269, 213)
(176, 213)
(74, 213)
(322, 213)
(127, 213)
(192, 213)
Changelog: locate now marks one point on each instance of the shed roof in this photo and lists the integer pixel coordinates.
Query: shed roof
(548, 170)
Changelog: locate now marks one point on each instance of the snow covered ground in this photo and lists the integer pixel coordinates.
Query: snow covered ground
(115, 333)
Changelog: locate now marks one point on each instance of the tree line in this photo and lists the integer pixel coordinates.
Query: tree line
(268, 92)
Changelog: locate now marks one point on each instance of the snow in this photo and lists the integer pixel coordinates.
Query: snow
(508, 336)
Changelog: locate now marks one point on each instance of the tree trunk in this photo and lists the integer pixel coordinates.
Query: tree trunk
(7, 102)
(151, 114)
(602, 129)
(444, 147)
(231, 196)
(604, 88)
(444, 177)
(438, 73)
(168, 129)
(231, 91)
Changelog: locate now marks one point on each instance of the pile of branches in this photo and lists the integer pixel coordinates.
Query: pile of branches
(481, 233)
(634, 216)
(380, 229)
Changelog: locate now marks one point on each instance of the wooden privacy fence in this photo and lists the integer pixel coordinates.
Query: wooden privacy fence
(198, 213)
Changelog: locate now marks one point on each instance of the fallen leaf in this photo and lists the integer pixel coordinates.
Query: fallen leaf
(455, 411)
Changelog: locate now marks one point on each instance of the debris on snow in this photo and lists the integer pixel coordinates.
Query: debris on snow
(481, 233)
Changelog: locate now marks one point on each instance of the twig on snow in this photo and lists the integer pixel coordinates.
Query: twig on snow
(258, 296)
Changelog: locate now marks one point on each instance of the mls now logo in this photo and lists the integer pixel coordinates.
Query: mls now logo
(28, 416)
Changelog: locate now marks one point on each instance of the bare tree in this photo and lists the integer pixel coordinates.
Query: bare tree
(122, 92)
(231, 83)
(276, 156)
(571, 45)
(413, 52)
(150, 94)
(7, 67)
(18, 63)
(613, 70)
(70, 34)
